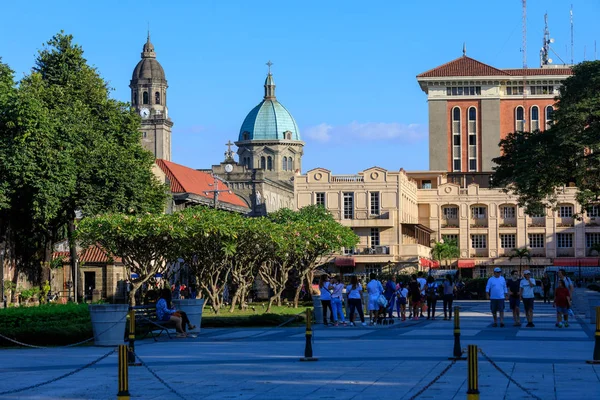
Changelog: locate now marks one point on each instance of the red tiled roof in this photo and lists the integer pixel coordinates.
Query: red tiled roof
(467, 66)
(463, 66)
(93, 254)
(188, 180)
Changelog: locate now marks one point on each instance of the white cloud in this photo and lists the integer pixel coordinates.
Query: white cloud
(367, 131)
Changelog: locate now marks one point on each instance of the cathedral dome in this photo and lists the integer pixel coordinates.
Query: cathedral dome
(269, 120)
(148, 67)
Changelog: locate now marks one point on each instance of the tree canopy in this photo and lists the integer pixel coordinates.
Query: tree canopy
(536, 165)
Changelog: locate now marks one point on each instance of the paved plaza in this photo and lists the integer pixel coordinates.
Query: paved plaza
(382, 362)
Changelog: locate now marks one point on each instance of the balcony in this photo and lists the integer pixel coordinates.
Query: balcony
(592, 221)
(507, 222)
(363, 219)
(565, 252)
(565, 222)
(450, 223)
(536, 222)
(478, 223)
(414, 250)
(475, 253)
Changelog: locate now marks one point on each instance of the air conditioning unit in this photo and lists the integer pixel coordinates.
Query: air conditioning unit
(380, 249)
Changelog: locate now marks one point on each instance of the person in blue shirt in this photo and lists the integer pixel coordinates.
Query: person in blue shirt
(165, 313)
(390, 290)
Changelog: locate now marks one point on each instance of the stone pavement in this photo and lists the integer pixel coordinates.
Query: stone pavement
(382, 362)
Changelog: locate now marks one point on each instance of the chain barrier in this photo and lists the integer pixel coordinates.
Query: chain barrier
(508, 376)
(159, 378)
(66, 346)
(59, 377)
(420, 392)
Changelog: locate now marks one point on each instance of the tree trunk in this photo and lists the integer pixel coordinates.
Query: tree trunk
(297, 294)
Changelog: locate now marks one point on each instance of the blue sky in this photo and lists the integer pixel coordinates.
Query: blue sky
(344, 69)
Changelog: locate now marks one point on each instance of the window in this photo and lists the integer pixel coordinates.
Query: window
(450, 238)
(565, 211)
(507, 241)
(284, 166)
(535, 118)
(262, 163)
(478, 212)
(482, 272)
(450, 212)
(349, 205)
(374, 237)
(290, 164)
(157, 98)
(472, 130)
(135, 101)
(591, 239)
(541, 89)
(375, 203)
(320, 199)
(549, 116)
(246, 136)
(269, 163)
(287, 135)
(456, 151)
(514, 90)
(145, 135)
(507, 212)
(536, 240)
(593, 211)
(519, 119)
(463, 91)
(564, 240)
(145, 98)
(478, 241)
(425, 184)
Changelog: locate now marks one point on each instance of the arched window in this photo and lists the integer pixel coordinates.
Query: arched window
(472, 129)
(246, 136)
(535, 118)
(262, 163)
(288, 135)
(290, 164)
(135, 98)
(284, 163)
(456, 159)
(519, 119)
(157, 98)
(549, 116)
(145, 98)
(269, 163)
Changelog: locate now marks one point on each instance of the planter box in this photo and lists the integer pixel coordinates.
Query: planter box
(318, 309)
(193, 309)
(108, 322)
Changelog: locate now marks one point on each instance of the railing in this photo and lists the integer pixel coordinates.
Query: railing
(450, 223)
(479, 253)
(367, 250)
(539, 222)
(479, 223)
(507, 222)
(592, 221)
(347, 178)
(565, 222)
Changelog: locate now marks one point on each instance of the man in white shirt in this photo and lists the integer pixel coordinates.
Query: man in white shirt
(562, 275)
(527, 285)
(422, 283)
(497, 292)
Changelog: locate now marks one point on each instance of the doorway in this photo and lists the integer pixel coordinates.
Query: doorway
(89, 278)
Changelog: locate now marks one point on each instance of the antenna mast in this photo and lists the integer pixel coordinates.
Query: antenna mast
(545, 52)
(572, 45)
(524, 49)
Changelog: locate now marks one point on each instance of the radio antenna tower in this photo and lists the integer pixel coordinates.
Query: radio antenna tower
(572, 46)
(524, 50)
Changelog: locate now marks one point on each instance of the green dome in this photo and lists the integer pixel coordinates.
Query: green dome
(269, 120)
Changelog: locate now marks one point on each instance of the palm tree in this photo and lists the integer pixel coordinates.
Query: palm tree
(521, 253)
(445, 250)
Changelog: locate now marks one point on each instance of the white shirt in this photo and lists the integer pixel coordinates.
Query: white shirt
(422, 284)
(354, 294)
(496, 287)
(403, 292)
(325, 293)
(527, 286)
(338, 288)
(374, 288)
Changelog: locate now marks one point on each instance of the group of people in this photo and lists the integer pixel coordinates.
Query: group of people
(521, 289)
(419, 295)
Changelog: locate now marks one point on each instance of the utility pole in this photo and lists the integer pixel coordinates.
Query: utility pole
(216, 190)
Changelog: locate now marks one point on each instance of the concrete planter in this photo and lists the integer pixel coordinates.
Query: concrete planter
(593, 303)
(108, 322)
(193, 309)
(318, 309)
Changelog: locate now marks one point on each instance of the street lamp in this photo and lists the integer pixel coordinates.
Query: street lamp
(69, 286)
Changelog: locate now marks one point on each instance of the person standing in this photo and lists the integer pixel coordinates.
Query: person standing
(374, 289)
(390, 290)
(514, 296)
(562, 302)
(562, 275)
(325, 298)
(497, 292)
(414, 291)
(402, 295)
(431, 291)
(448, 298)
(354, 291)
(527, 296)
(546, 286)
(422, 283)
(336, 302)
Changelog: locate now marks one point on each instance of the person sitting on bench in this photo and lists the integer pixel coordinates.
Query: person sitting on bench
(165, 313)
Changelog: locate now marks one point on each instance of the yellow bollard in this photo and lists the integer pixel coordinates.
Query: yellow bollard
(123, 393)
(457, 353)
(131, 339)
(596, 355)
(473, 374)
(308, 352)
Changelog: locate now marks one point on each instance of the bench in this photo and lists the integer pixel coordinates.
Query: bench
(147, 321)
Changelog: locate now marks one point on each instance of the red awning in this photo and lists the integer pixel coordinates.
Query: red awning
(576, 262)
(345, 262)
(424, 262)
(466, 264)
(435, 264)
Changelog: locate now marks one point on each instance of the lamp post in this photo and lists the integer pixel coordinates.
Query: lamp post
(69, 286)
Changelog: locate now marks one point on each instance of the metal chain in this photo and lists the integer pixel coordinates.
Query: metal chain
(434, 380)
(68, 345)
(159, 378)
(60, 377)
(508, 376)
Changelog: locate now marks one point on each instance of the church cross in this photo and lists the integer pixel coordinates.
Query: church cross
(269, 63)
(229, 144)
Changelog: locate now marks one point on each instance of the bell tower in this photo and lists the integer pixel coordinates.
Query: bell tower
(149, 98)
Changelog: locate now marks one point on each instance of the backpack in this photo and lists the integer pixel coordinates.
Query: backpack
(431, 290)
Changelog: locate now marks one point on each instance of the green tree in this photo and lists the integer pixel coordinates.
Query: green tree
(536, 165)
(521, 254)
(445, 250)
